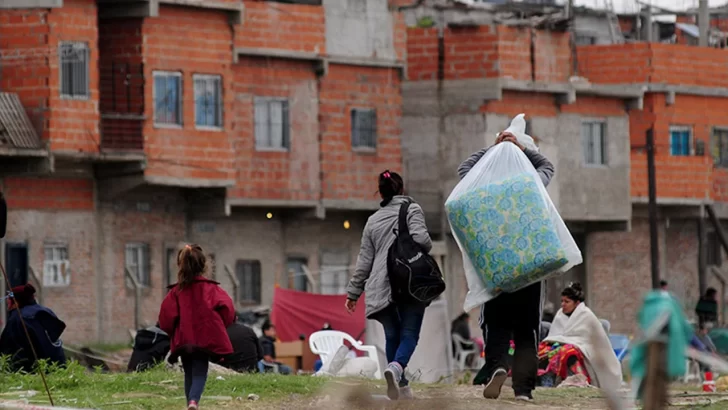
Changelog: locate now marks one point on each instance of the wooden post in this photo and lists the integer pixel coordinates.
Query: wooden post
(655, 382)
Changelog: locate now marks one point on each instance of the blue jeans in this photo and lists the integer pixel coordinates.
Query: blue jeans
(282, 368)
(195, 377)
(402, 324)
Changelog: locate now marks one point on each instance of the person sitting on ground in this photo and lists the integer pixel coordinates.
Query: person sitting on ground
(151, 346)
(268, 343)
(44, 329)
(707, 307)
(247, 351)
(574, 342)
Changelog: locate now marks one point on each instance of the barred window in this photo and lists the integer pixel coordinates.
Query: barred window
(248, 274)
(74, 69)
(208, 100)
(137, 262)
(167, 98)
(363, 128)
(593, 143)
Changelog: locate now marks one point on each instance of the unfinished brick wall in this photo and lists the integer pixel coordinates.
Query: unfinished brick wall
(295, 27)
(400, 35)
(552, 56)
(291, 174)
(74, 122)
(470, 52)
(188, 151)
(422, 54)
(49, 193)
(350, 174)
(614, 63)
(514, 53)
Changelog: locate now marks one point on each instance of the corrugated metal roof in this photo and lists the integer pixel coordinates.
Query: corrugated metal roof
(15, 127)
(689, 29)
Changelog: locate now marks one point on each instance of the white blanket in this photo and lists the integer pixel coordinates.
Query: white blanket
(583, 330)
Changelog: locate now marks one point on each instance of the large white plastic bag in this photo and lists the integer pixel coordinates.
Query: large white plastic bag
(507, 227)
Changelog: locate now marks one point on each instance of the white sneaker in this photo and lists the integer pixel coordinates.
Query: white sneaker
(393, 375)
(493, 389)
(524, 398)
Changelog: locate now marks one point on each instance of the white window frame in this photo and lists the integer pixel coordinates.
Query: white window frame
(180, 102)
(363, 148)
(143, 272)
(220, 103)
(87, 56)
(56, 261)
(339, 274)
(285, 128)
(585, 139)
(691, 141)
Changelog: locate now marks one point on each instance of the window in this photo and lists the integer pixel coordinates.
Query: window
(272, 129)
(208, 101)
(681, 141)
(167, 98)
(363, 128)
(297, 278)
(592, 140)
(56, 266)
(74, 62)
(334, 275)
(137, 262)
(719, 147)
(248, 275)
(585, 39)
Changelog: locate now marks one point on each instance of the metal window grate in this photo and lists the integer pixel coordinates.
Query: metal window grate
(719, 148)
(137, 261)
(56, 266)
(248, 274)
(74, 68)
(363, 128)
(168, 98)
(681, 141)
(272, 125)
(593, 143)
(208, 101)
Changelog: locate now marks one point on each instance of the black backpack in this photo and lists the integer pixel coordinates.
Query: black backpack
(413, 273)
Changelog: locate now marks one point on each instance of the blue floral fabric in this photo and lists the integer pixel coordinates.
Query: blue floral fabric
(507, 232)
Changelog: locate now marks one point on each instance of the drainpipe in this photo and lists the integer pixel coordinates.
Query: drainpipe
(703, 23)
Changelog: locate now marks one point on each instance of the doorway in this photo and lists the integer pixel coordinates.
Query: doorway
(16, 263)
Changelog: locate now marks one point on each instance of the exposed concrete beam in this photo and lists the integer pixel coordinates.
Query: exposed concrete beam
(270, 203)
(22, 152)
(369, 62)
(235, 11)
(30, 4)
(673, 201)
(125, 9)
(96, 157)
(276, 53)
(188, 182)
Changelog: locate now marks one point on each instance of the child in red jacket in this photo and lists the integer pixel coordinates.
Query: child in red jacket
(196, 313)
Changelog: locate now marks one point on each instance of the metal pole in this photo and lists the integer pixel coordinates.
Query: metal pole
(703, 24)
(652, 209)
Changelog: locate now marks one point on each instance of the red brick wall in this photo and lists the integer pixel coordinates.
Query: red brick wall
(74, 123)
(516, 102)
(49, 193)
(514, 52)
(400, 35)
(470, 52)
(618, 63)
(552, 56)
(188, 152)
(348, 174)
(422, 54)
(292, 174)
(24, 69)
(296, 27)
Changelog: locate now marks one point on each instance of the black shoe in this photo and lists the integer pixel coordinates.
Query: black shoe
(493, 388)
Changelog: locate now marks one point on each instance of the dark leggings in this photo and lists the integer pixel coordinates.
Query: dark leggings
(195, 377)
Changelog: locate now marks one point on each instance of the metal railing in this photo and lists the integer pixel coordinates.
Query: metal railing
(137, 297)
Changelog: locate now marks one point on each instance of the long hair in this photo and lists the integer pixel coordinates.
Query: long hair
(390, 185)
(192, 263)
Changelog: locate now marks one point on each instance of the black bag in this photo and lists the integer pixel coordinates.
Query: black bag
(413, 273)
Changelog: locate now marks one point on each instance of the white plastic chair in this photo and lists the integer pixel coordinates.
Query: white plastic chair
(325, 343)
(462, 353)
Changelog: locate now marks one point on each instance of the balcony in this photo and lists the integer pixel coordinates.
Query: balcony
(122, 107)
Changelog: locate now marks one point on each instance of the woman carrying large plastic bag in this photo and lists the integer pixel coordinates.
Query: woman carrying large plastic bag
(505, 313)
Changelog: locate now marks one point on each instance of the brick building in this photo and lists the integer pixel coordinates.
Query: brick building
(589, 108)
(255, 128)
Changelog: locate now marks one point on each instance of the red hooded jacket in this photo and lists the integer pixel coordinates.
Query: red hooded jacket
(196, 318)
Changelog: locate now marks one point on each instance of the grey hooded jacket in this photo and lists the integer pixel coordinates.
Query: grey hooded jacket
(544, 168)
(370, 274)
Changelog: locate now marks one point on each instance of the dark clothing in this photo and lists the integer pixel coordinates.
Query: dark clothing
(402, 324)
(461, 327)
(45, 331)
(707, 310)
(247, 351)
(268, 344)
(151, 345)
(195, 377)
(196, 318)
(514, 315)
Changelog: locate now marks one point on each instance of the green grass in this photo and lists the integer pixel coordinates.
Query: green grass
(156, 389)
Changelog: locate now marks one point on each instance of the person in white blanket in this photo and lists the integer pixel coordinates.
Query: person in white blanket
(578, 344)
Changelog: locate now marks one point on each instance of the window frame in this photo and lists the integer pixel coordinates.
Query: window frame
(603, 142)
(691, 138)
(53, 247)
(220, 103)
(241, 289)
(285, 127)
(180, 103)
(342, 268)
(87, 69)
(363, 148)
(722, 162)
(145, 281)
(292, 259)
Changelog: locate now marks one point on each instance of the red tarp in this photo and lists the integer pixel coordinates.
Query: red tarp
(300, 313)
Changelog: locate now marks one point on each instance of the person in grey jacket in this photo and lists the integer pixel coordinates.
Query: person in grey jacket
(516, 314)
(401, 321)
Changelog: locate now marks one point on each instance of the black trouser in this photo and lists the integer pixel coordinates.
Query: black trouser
(514, 315)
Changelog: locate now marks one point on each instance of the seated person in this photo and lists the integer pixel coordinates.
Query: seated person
(268, 343)
(575, 340)
(707, 307)
(247, 351)
(151, 346)
(43, 326)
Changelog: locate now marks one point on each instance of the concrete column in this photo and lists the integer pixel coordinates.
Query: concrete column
(703, 23)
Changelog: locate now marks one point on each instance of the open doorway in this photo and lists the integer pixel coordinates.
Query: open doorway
(16, 263)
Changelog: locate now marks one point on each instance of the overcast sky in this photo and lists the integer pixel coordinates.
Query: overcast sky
(622, 6)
